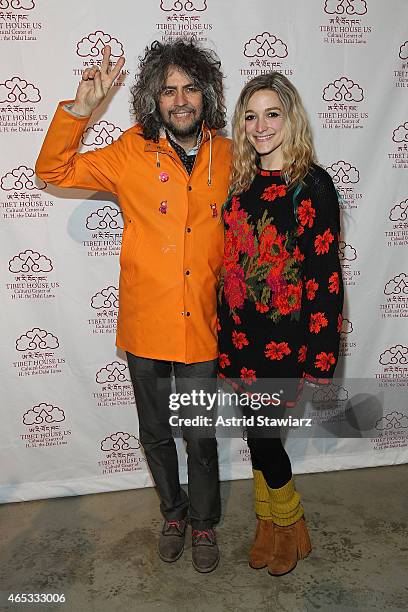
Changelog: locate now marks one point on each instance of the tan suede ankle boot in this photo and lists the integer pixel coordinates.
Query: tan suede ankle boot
(291, 543)
(262, 548)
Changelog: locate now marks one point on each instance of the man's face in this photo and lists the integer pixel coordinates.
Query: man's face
(181, 104)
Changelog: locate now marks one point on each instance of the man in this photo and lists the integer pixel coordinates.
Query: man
(170, 173)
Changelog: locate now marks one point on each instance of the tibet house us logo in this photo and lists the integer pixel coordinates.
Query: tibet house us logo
(183, 5)
(17, 89)
(101, 134)
(345, 8)
(115, 372)
(105, 218)
(343, 89)
(92, 45)
(21, 178)
(120, 441)
(37, 339)
(265, 45)
(343, 173)
(17, 5)
(30, 261)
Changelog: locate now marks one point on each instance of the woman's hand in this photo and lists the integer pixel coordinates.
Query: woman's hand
(95, 84)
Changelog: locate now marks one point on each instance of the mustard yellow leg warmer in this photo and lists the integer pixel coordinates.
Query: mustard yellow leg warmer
(284, 503)
(262, 496)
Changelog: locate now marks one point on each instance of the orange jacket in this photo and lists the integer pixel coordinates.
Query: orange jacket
(172, 242)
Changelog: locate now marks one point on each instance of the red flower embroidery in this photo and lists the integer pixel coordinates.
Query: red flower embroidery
(248, 376)
(266, 241)
(317, 321)
(306, 213)
(239, 237)
(274, 191)
(324, 361)
(287, 299)
(239, 339)
(272, 249)
(311, 288)
(277, 350)
(300, 230)
(302, 353)
(334, 283)
(261, 307)
(235, 287)
(298, 255)
(231, 254)
(237, 320)
(223, 360)
(322, 242)
(236, 215)
(339, 322)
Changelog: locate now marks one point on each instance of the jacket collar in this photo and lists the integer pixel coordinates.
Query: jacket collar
(163, 146)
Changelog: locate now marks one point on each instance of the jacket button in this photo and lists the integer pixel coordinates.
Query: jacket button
(187, 272)
(188, 313)
(189, 187)
(188, 230)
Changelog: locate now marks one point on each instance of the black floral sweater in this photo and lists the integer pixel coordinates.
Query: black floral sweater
(281, 290)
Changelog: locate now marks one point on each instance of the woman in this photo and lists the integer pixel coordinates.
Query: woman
(281, 292)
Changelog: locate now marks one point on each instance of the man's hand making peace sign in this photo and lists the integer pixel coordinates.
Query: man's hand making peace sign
(95, 84)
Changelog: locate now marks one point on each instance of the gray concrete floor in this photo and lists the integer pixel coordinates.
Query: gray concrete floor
(100, 551)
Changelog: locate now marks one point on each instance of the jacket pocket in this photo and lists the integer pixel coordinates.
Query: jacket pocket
(131, 244)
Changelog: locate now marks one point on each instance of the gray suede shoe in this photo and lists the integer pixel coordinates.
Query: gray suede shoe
(205, 553)
(171, 541)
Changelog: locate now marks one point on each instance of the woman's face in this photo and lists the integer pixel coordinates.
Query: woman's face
(264, 125)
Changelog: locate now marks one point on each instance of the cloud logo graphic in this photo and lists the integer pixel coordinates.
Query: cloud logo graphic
(399, 212)
(403, 52)
(400, 134)
(392, 420)
(265, 45)
(343, 172)
(395, 354)
(343, 89)
(113, 372)
(25, 5)
(183, 5)
(36, 339)
(345, 7)
(30, 261)
(43, 413)
(18, 90)
(120, 441)
(93, 44)
(101, 133)
(347, 252)
(105, 218)
(21, 178)
(397, 285)
(107, 298)
(330, 393)
(346, 327)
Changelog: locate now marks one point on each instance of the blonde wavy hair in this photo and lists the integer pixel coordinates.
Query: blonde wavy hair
(297, 146)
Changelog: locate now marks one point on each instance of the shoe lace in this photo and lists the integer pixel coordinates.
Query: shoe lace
(173, 524)
(200, 534)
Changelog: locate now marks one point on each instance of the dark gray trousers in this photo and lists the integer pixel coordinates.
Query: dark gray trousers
(151, 380)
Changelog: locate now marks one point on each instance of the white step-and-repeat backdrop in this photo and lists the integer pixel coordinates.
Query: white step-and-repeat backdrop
(68, 419)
